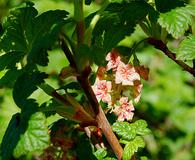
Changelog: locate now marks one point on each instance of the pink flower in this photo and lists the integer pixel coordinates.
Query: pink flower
(126, 74)
(102, 89)
(137, 92)
(124, 111)
(113, 59)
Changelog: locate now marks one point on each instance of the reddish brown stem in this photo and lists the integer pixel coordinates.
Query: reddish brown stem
(100, 117)
(163, 47)
(80, 29)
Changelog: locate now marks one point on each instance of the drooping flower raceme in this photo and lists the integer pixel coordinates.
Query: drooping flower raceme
(102, 89)
(126, 74)
(113, 60)
(124, 110)
(120, 87)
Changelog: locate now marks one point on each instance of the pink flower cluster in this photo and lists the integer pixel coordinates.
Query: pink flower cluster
(120, 87)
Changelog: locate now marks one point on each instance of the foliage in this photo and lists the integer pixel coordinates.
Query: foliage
(186, 49)
(67, 103)
(177, 21)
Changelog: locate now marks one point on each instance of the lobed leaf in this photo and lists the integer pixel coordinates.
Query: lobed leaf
(11, 137)
(141, 127)
(9, 60)
(115, 35)
(128, 131)
(117, 21)
(35, 138)
(25, 33)
(186, 50)
(177, 21)
(125, 130)
(10, 78)
(17, 126)
(100, 153)
(132, 147)
(166, 5)
(25, 85)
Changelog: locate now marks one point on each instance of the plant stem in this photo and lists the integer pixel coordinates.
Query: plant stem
(84, 82)
(101, 118)
(79, 18)
(89, 30)
(163, 47)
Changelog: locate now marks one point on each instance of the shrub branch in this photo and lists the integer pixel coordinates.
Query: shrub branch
(158, 44)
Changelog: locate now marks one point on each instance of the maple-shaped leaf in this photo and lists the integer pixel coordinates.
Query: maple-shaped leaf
(128, 131)
(186, 50)
(25, 85)
(178, 20)
(35, 138)
(132, 147)
(27, 33)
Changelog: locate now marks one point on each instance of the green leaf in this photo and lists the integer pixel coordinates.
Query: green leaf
(126, 23)
(84, 148)
(116, 1)
(186, 50)
(177, 21)
(25, 85)
(110, 158)
(10, 78)
(125, 130)
(141, 127)
(115, 35)
(132, 147)
(99, 55)
(128, 131)
(166, 5)
(11, 137)
(9, 60)
(135, 11)
(139, 9)
(125, 51)
(48, 27)
(106, 21)
(36, 137)
(17, 126)
(100, 153)
(29, 34)
(72, 85)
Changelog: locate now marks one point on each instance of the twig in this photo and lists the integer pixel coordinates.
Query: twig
(163, 47)
(100, 117)
(67, 52)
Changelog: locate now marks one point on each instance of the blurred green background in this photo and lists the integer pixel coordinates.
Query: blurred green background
(168, 97)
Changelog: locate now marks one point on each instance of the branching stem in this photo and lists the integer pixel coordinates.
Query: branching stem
(163, 47)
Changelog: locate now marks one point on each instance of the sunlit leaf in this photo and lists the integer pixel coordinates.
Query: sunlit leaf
(186, 50)
(35, 138)
(132, 147)
(177, 21)
(125, 130)
(100, 153)
(128, 131)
